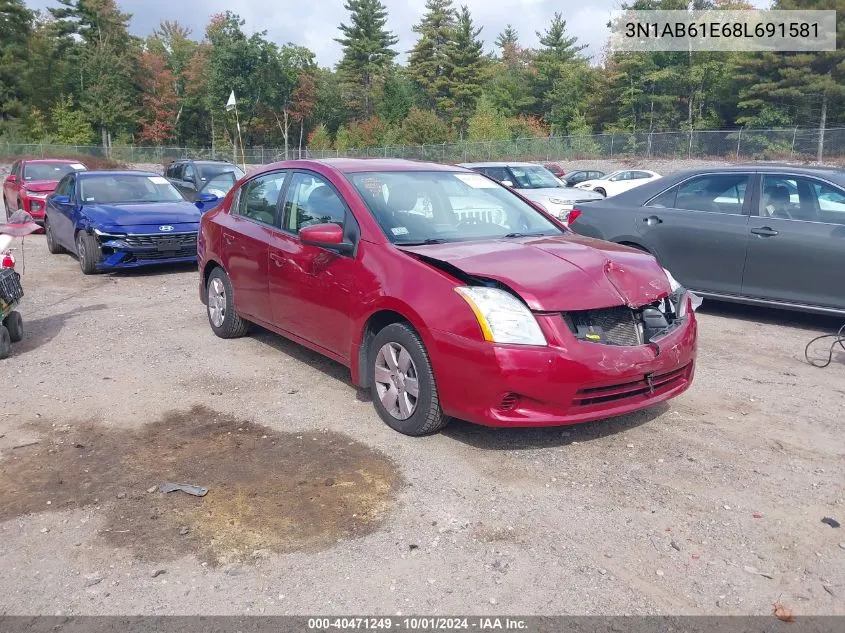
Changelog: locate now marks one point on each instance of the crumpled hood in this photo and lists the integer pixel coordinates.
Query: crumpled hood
(41, 186)
(563, 193)
(159, 213)
(559, 273)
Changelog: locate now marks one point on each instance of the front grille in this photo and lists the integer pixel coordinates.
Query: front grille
(619, 324)
(660, 383)
(11, 290)
(180, 240)
(182, 252)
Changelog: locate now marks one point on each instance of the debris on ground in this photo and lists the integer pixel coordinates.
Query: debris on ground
(25, 444)
(829, 589)
(184, 530)
(753, 570)
(93, 579)
(191, 489)
(782, 613)
(831, 522)
(675, 546)
(158, 572)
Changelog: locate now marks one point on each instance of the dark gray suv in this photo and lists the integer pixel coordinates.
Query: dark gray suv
(765, 234)
(194, 177)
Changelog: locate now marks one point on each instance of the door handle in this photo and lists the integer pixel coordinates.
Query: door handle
(228, 237)
(652, 219)
(765, 231)
(277, 259)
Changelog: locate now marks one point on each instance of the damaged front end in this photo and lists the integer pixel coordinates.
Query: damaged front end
(133, 249)
(626, 326)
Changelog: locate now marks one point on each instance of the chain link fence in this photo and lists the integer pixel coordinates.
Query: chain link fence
(741, 144)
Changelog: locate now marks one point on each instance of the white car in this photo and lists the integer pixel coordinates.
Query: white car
(618, 181)
(536, 183)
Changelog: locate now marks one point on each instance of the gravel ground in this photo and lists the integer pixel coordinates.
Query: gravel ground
(711, 504)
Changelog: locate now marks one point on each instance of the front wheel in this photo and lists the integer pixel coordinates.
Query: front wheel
(222, 316)
(5, 342)
(404, 392)
(600, 191)
(88, 252)
(14, 324)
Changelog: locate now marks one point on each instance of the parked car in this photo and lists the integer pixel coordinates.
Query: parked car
(31, 181)
(555, 169)
(580, 175)
(618, 181)
(195, 177)
(763, 234)
(507, 321)
(122, 219)
(536, 183)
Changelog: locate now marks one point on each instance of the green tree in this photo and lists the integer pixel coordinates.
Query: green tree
(488, 123)
(423, 127)
(428, 62)
(401, 94)
(70, 127)
(319, 139)
(464, 63)
(15, 27)
(367, 53)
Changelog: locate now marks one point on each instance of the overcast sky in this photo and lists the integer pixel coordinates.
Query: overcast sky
(313, 23)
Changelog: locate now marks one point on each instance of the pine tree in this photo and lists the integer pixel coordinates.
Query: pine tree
(561, 69)
(15, 26)
(464, 62)
(367, 52)
(428, 62)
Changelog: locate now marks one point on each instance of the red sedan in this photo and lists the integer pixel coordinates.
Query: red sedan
(446, 294)
(31, 181)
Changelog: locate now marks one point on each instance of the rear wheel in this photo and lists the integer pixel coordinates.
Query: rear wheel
(88, 252)
(404, 392)
(14, 324)
(222, 316)
(52, 244)
(5, 342)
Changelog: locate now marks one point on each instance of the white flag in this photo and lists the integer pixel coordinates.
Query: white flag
(230, 104)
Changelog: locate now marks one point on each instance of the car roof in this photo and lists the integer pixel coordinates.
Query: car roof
(358, 165)
(115, 172)
(66, 161)
(502, 164)
(809, 170)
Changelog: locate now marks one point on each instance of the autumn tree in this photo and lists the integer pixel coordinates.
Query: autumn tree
(159, 103)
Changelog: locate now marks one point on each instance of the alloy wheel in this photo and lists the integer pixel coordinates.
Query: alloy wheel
(396, 381)
(217, 302)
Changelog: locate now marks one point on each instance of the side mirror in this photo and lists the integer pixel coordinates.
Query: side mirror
(206, 201)
(61, 200)
(507, 183)
(12, 178)
(328, 236)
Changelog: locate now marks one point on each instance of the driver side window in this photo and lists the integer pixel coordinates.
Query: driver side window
(311, 200)
(259, 197)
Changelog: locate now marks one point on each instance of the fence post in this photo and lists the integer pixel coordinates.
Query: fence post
(689, 150)
(42, 149)
(792, 151)
(738, 141)
(611, 144)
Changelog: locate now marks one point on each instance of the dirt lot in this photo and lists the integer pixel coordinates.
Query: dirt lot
(710, 504)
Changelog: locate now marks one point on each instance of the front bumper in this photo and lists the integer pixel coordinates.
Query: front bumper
(137, 250)
(568, 382)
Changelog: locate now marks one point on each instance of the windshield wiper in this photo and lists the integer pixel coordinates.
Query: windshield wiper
(512, 235)
(433, 240)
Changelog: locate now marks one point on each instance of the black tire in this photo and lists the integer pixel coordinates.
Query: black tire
(427, 416)
(52, 246)
(5, 343)
(88, 252)
(232, 325)
(14, 324)
(600, 191)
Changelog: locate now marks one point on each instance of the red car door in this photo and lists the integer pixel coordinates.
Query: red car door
(245, 233)
(311, 288)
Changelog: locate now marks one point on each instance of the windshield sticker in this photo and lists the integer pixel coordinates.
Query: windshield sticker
(78, 166)
(158, 180)
(399, 230)
(476, 181)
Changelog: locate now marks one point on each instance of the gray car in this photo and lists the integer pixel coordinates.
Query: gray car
(536, 183)
(761, 234)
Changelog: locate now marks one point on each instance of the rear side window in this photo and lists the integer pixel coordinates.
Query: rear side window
(715, 193)
(189, 174)
(792, 197)
(831, 203)
(496, 173)
(259, 197)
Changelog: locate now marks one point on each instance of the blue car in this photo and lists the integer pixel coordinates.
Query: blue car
(114, 220)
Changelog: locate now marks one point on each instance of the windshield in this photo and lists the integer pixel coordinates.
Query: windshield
(534, 178)
(609, 176)
(49, 171)
(125, 188)
(220, 184)
(207, 171)
(433, 207)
